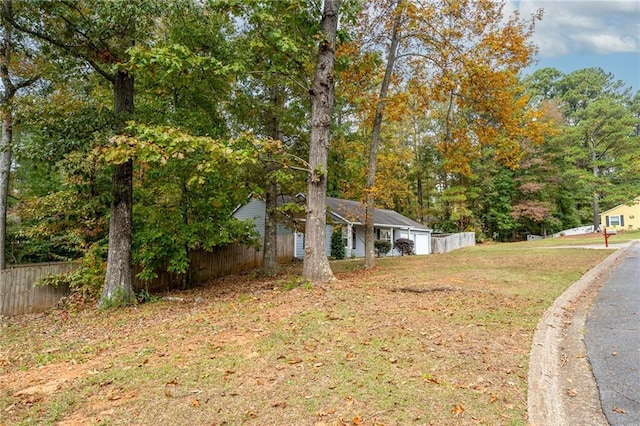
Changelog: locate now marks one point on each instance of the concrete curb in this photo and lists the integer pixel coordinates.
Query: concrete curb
(546, 390)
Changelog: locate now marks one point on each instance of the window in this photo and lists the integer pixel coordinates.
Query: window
(384, 234)
(615, 220)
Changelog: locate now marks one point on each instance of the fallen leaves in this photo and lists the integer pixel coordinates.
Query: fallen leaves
(619, 410)
(171, 389)
(326, 357)
(458, 410)
(432, 379)
(281, 404)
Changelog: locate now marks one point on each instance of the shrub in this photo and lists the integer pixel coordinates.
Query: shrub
(337, 245)
(381, 247)
(88, 278)
(404, 246)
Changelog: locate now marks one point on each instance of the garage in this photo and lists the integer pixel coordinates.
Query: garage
(422, 243)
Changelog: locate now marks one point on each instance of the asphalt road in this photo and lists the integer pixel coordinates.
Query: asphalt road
(612, 338)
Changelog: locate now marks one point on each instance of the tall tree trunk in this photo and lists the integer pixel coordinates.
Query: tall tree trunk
(596, 202)
(416, 149)
(270, 265)
(369, 206)
(118, 288)
(316, 264)
(5, 171)
(420, 196)
(6, 116)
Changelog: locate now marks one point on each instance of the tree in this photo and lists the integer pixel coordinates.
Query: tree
(100, 34)
(9, 90)
(369, 238)
(457, 65)
(316, 264)
(597, 135)
(275, 44)
(186, 189)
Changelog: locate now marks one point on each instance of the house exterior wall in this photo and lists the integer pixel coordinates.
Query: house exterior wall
(622, 217)
(359, 242)
(299, 243)
(255, 210)
(299, 246)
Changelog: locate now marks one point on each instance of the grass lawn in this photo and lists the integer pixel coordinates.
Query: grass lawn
(440, 339)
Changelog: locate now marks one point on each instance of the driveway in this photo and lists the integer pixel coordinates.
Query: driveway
(612, 339)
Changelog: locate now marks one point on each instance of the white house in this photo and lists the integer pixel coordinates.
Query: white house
(389, 225)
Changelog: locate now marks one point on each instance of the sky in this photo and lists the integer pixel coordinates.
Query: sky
(577, 34)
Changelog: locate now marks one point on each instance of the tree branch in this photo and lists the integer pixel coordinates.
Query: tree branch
(68, 48)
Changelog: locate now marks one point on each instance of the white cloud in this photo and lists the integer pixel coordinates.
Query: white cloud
(606, 43)
(583, 26)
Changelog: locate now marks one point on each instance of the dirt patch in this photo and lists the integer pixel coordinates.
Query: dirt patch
(425, 289)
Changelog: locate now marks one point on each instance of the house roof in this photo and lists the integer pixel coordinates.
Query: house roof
(633, 203)
(353, 211)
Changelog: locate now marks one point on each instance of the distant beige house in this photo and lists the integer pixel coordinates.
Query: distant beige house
(624, 216)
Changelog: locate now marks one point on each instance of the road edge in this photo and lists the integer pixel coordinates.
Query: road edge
(547, 394)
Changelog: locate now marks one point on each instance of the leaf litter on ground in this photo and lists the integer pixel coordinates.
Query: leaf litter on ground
(440, 339)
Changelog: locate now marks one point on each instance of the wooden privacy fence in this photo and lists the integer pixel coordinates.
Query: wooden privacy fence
(18, 295)
(444, 243)
(220, 262)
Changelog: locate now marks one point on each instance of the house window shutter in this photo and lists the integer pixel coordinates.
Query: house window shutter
(606, 219)
(621, 220)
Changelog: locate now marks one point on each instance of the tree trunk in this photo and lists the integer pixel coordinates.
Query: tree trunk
(118, 288)
(596, 201)
(270, 265)
(369, 207)
(6, 140)
(420, 196)
(316, 264)
(5, 171)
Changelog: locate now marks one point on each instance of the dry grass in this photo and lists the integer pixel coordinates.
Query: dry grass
(441, 339)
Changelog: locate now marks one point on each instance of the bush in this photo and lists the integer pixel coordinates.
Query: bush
(88, 278)
(404, 246)
(337, 245)
(381, 247)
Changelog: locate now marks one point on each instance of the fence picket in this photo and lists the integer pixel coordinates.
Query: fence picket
(445, 243)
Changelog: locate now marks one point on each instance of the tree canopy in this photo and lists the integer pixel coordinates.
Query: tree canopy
(148, 122)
